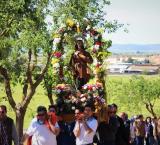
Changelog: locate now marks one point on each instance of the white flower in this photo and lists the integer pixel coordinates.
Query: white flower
(56, 65)
(58, 91)
(54, 47)
(95, 62)
(94, 88)
(96, 47)
(83, 99)
(65, 79)
(96, 37)
(63, 56)
(94, 96)
(73, 107)
(85, 87)
(88, 27)
(62, 25)
(102, 100)
(87, 36)
(56, 40)
(65, 34)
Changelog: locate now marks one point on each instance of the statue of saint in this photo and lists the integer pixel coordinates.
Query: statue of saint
(79, 64)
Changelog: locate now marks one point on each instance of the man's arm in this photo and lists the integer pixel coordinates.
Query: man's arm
(87, 128)
(24, 138)
(15, 135)
(77, 129)
(54, 128)
(92, 127)
(30, 131)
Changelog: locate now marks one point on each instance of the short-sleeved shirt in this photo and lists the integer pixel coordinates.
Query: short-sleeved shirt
(41, 135)
(85, 137)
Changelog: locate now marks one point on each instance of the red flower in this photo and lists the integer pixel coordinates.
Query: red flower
(98, 65)
(90, 87)
(57, 54)
(98, 43)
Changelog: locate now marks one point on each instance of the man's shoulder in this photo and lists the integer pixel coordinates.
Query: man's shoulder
(93, 120)
(119, 119)
(34, 122)
(114, 120)
(10, 120)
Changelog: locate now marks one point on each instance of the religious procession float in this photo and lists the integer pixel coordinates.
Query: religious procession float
(78, 62)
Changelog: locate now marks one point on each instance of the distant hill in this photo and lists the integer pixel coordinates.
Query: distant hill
(135, 49)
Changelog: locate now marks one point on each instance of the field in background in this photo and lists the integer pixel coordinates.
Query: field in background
(129, 107)
(40, 98)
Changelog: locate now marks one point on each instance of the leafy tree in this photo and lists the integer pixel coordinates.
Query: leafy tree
(135, 93)
(147, 91)
(24, 43)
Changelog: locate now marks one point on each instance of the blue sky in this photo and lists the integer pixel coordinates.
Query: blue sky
(143, 17)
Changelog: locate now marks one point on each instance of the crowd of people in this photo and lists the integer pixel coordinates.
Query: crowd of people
(104, 128)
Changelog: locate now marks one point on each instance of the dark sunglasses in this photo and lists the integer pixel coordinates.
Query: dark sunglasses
(77, 113)
(41, 114)
(51, 110)
(2, 112)
(112, 112)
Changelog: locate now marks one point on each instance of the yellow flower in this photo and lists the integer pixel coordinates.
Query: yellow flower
(97, 69)
(101, 30)
(70, 22)
(78, 28)
(54, 61)
(56, 35)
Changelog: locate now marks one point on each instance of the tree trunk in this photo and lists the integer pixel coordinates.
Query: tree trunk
(150, 109)
(20, 108)
(19, 122)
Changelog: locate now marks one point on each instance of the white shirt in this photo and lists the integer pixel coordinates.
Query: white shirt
(41, 135)
(132, 131)
(85, 137)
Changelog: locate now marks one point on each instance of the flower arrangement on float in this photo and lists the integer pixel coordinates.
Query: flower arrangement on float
(68, 98)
